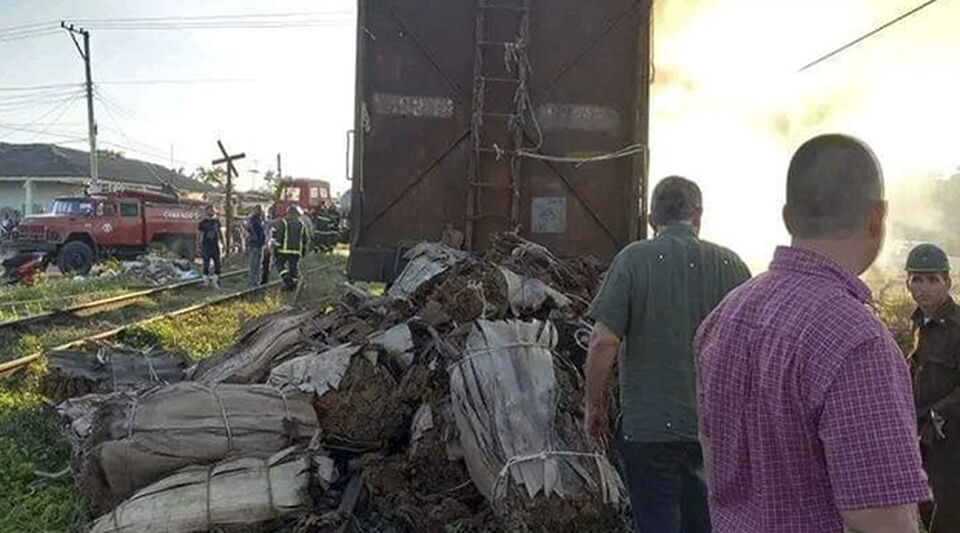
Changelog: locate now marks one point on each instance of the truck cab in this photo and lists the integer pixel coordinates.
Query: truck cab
(81, 229)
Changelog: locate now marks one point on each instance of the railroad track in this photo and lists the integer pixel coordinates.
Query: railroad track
(91, 307)
(12, 367)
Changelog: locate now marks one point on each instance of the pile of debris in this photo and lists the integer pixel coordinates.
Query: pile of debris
(452, 400)
(153, 270)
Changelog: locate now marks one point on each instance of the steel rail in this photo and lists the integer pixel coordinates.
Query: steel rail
(108, 301)
(11, 367)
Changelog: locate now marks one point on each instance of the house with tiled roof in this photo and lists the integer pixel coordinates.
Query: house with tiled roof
(33, 175)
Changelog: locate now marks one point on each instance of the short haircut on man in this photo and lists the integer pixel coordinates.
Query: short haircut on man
(833, 183)
(675, 200)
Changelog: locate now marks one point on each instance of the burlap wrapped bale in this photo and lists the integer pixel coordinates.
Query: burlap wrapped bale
(75, 373)
(239, 492)
(260, 345)
(505, 396)
(138, 439)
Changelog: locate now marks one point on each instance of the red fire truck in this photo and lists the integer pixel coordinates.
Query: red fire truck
(124, 224)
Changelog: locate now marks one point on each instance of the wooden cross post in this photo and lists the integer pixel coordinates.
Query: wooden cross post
(231, 173)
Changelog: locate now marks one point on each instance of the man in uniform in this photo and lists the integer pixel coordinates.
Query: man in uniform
(291, 237)
(935, 365)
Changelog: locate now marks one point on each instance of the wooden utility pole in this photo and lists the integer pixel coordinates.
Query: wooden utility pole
(231, 173)
(91, 124)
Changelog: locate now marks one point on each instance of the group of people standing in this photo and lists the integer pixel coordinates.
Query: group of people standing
(285, 239)
(779, 403)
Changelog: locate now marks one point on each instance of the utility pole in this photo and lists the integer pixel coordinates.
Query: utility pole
(231, 173)
(91, 124)
(279, 177)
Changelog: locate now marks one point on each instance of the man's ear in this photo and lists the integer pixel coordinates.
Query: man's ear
(697, 218)
(878, 218)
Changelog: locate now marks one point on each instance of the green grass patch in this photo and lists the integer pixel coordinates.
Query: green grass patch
(30, 442)
(203, 333)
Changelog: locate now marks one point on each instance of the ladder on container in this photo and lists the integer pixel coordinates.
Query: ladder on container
(511, 113)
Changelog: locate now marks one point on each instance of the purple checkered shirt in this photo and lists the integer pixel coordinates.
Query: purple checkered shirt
(805, 403)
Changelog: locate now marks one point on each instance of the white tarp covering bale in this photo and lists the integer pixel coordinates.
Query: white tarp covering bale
(519, 453)
(427, 260)
(138, 439)
(240, 492)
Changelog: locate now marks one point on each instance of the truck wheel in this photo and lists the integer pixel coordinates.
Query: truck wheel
(185, 249)
(75, 257)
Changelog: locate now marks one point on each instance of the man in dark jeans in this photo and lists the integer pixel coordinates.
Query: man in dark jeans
(648, 309)
(210, 237)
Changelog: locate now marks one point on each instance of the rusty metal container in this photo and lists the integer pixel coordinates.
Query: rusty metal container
(489, 115)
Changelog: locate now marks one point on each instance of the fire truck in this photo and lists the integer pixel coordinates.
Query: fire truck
(124, 224)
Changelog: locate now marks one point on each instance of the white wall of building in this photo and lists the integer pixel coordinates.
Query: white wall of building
(13, 194)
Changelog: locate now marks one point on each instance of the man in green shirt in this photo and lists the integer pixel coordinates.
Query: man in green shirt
(647, 311)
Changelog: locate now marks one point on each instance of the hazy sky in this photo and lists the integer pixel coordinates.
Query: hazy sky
(728, 105)
(289, 90)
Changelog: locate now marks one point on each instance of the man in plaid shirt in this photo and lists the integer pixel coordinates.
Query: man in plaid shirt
(806, 409)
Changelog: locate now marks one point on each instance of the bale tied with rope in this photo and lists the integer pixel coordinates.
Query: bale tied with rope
(251, 490)
(136, 439)
(520, 449)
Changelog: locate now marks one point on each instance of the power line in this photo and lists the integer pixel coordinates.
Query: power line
(44, 33)
(147, 148)
(227, 17)
(177, 81)
(25, 88)
(223, 26)
(867, 35)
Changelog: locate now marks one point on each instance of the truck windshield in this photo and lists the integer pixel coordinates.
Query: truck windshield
(290, 194)
(72, 207)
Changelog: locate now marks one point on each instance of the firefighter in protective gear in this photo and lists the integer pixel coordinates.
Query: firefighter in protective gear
(935, 366)
(328, 229)
(291, 237)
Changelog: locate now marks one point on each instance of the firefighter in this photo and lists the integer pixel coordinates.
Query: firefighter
(328, 229)
(935, 366)
(291, 243)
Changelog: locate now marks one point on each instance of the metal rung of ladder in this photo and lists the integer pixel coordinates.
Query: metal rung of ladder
(488, 185)
(495, 79)
(495, 151)
(500, 115)
(504, 7)
(495, 43)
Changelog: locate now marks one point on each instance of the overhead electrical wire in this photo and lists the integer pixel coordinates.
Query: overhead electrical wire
(146, 149)
(26, 88)
(867, 35)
